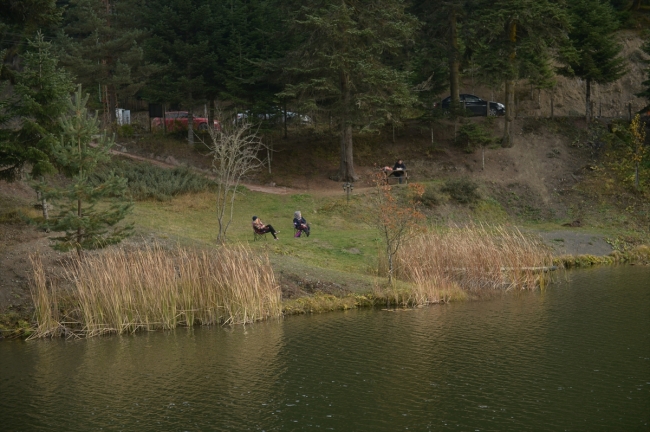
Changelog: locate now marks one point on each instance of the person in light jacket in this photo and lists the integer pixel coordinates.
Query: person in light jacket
(300, 224)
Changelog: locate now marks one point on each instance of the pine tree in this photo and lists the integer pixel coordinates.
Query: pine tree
(593, 53)
(85, 226)
(39, 98)
(100, 43)
(343, 63)
(441, 37)
(253, 36)
(19, 20)
(181, 42)
(509, 33)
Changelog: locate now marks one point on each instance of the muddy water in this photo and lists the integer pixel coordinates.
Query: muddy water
(575, 357)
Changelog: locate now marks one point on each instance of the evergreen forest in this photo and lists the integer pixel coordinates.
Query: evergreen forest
(358, 64)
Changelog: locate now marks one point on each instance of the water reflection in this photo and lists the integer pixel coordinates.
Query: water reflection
(574, 357)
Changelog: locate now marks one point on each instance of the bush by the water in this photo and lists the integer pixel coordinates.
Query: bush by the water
(146, 181)
(463, 191)
(119, 291)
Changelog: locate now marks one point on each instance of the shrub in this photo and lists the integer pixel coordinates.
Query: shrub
(474, 135)
(125, 131)
(147, 181)
(430, 197)
(462, 191)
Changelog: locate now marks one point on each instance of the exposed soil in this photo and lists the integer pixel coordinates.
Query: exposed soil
(568, 242)
(294, 286)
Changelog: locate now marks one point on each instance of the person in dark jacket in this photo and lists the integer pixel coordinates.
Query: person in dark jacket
(260, 228)
(398, 170)
(300, 224)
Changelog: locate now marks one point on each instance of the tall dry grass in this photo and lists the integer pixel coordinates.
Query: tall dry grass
(120, 291)
(45, 304)
(474, 258)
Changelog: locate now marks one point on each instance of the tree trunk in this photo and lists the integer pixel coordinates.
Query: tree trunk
(510, 89)
(284, 113)
(165, 119)
(636, 176)
(509, 117)
(211, 114)
(190, 126)
(454, 61)
(349, 159)
(588, 101)
(342, 168)
(390, 267)
(112, 103)
(552, 107)
(46, 214)
(346, 169)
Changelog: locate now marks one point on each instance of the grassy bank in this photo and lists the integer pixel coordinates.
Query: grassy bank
(636, 255)
(150, 288)
(338, 267)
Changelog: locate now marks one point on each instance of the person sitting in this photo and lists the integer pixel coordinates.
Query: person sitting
(260, 228)
(300, 224)
(399, 169)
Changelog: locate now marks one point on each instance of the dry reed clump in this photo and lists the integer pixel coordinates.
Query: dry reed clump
(152, 288)
(474, 258)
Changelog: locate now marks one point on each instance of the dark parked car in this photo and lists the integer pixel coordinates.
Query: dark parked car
(476, 105)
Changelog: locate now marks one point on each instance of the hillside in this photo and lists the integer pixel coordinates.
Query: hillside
(557, 180)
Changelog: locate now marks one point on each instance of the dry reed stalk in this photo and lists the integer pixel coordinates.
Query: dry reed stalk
(475, 258)
(153, 288)
(45, 302)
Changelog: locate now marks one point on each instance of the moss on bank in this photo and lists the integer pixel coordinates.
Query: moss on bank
(15, 324)
(638, 255)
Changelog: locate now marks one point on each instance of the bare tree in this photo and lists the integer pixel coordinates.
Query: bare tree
(396, 220)
(235, 154)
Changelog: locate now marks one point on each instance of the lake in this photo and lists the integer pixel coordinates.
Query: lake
(573, 357)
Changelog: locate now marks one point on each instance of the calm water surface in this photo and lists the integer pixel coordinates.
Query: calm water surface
(575, 357)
